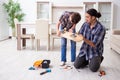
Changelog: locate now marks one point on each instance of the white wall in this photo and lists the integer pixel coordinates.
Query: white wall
(29, 8)
(4, 28)
(116, 21)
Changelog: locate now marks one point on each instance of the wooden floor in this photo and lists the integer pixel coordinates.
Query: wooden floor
(14, 64)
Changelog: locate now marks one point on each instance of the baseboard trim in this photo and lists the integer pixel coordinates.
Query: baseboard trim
(6, 39)
(10, 37)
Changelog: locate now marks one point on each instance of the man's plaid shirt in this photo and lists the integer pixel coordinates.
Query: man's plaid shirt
(96, 35)
(64, 20)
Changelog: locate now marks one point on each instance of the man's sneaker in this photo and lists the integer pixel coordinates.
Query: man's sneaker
(62, 64)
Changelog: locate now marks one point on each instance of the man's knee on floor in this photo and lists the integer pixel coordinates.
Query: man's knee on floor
(94, 64)
(80, 62)
(94, 68)
(80, 65)
(76, 65)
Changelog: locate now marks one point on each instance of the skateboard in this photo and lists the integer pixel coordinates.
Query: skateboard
(72, 36)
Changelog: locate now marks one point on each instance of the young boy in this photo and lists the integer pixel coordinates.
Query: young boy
(68, 20)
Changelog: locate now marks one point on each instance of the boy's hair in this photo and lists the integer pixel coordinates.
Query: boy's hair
(76, 17)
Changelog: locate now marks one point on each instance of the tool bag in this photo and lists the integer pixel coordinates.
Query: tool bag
(45, 63)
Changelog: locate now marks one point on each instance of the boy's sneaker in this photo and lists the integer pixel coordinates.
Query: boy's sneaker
(62, 63)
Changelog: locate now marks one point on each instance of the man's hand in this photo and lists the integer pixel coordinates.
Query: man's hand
(70, 30)
(88, 41)
(58, 33)
(81, 35)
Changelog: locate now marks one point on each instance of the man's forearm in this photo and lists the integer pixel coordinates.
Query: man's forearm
(89, 42)
(58, 24)
(73, 27)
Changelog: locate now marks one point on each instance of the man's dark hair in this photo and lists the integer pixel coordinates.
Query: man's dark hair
(93, 12)
(76, 17)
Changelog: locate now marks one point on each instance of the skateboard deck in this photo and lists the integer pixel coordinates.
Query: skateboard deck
(72, 36)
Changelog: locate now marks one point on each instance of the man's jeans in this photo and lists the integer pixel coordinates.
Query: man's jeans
(64, 49)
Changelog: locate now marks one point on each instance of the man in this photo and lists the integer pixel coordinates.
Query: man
(67, 20)
(91, 50)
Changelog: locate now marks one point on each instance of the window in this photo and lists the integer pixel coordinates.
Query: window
(43, 10)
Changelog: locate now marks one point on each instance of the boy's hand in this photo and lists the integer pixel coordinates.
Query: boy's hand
(58, 33)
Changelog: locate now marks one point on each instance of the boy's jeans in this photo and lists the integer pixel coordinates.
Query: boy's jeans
(64, 49)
